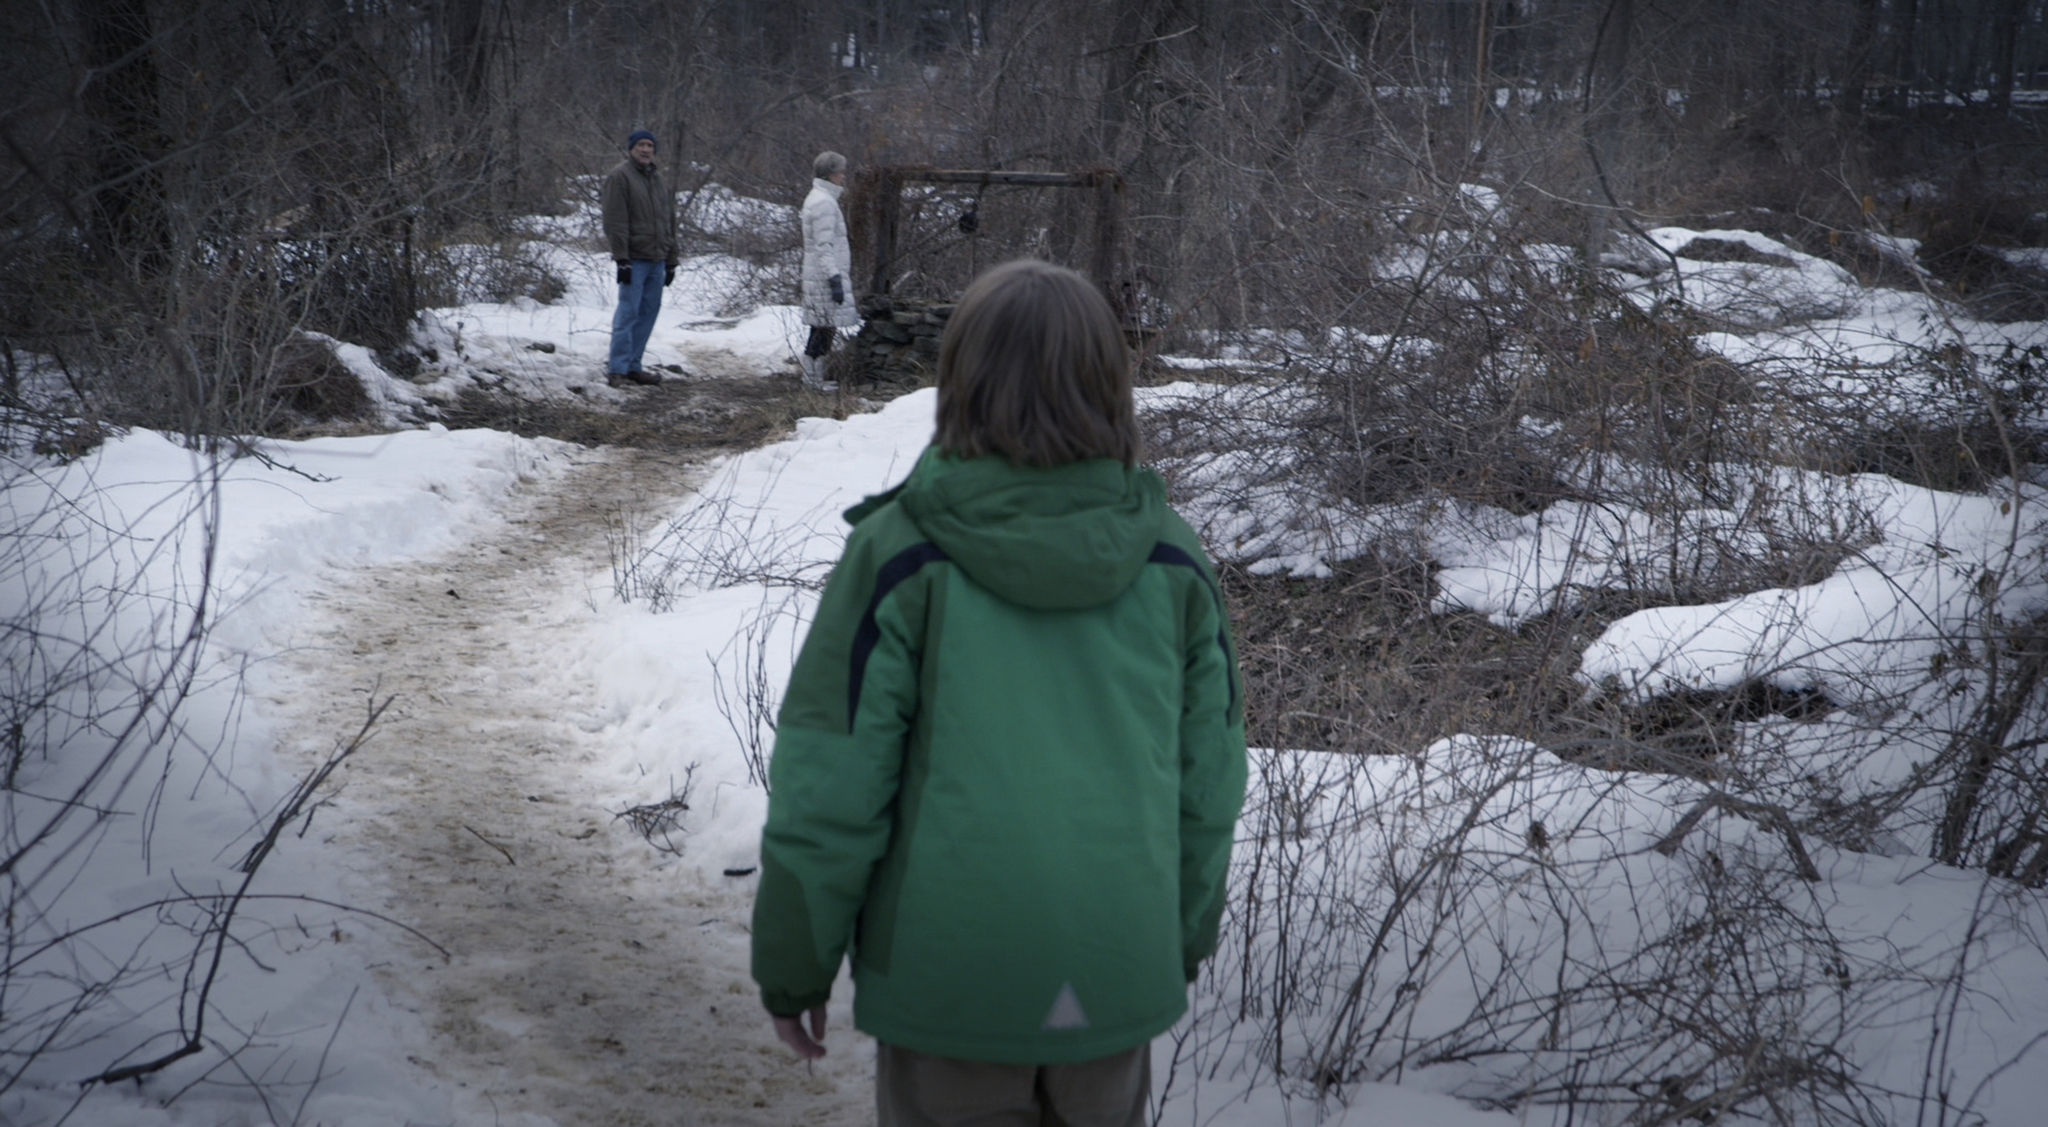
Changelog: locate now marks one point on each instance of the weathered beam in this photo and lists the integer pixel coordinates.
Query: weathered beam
(995, 176)
(878, 193)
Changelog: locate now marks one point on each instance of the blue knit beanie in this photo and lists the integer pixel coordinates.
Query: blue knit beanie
(636, 136)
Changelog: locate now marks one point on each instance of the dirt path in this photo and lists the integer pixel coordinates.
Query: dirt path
(585, 984)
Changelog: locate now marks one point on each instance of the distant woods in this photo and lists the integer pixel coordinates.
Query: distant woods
(232, 172)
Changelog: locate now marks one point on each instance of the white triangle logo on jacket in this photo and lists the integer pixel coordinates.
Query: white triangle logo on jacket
(1066, 1012)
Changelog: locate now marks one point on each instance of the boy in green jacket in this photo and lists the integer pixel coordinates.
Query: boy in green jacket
(1011, 753)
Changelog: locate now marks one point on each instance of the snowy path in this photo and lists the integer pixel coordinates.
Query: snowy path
(586, 985)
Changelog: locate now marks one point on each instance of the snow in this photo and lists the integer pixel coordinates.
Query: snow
(558, 351)
(727, 580)
(1787, 284)
(2035, 257)
(128, 526)
(1868, 631)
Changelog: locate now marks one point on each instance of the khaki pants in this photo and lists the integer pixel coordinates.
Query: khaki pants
(917, 1090)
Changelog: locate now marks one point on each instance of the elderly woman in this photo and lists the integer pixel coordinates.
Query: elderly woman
(828, 266)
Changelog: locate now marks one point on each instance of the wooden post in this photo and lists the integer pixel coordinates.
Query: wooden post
(859, 202)
(888, 211)
(1109, 206)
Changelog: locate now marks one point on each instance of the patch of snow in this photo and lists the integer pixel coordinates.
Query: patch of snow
(2035, 258)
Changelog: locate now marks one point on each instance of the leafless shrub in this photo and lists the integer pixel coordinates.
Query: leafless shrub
(1974, 724)
(1478, 907)
(659, 824)
(1500, 388)
(93, 734)
(168, 297)
(1485, 904)
(1994, 771)
(497, 268)
(48, 431)
(624, 539)
(721, 540)
(747, 678)
(302, 193)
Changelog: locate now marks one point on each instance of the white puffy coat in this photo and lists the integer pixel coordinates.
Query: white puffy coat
(826, 253)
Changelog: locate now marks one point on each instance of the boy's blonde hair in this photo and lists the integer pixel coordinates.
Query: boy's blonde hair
(1033, 366)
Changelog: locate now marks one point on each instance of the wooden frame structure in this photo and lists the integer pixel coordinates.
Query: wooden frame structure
(882, 208)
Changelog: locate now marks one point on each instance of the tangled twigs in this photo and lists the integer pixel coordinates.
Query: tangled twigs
(658, 823)
(1771, 816)
(216, 933)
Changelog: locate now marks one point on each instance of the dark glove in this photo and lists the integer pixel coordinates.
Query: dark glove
(838, 290)
(668, 275)
(625, 273)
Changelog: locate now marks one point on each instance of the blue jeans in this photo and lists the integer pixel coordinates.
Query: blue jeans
(633, 321)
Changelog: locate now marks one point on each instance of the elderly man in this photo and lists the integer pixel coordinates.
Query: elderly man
(640, 229)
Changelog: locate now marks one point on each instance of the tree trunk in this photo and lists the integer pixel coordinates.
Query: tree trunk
(1130, 56)
(1307, 87)
(466, 51)
(2005, 36)
(1482, 61)
(1606, 68)
(1856, 70)
(466, 67)
(121, 105)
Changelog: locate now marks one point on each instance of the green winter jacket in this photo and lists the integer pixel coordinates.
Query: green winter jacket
(1007, 767)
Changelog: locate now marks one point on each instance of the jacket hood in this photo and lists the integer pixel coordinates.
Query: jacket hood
(827, 187)
(1063, 538)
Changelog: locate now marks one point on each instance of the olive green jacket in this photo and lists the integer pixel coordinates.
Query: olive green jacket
(639, 213)
(1007, 767)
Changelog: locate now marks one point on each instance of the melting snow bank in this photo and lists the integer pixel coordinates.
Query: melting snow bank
(145, 781)
(1935, 563)
(1488, 921)
(1924, 565)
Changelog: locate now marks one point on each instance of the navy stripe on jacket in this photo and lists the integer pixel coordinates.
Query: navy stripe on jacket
(899, 567)
(911, 560)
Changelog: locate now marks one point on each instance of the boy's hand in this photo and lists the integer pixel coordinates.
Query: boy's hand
(791, 1030)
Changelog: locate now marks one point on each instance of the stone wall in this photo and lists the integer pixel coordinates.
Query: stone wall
(898, 341)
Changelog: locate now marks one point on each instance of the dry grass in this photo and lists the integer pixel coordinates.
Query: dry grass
(683, 416)
(1357, 662)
